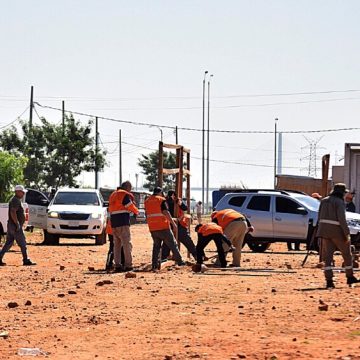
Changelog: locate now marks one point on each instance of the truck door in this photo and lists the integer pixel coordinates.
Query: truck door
(38, 204)
(290, 219)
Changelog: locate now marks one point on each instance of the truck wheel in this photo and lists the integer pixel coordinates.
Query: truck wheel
(258, 247)
(101, 239)
(50, 239)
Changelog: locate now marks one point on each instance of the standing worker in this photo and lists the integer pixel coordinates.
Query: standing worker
(235, 226)
(15, 226)
(334, 233)
(159, 220)
(121, 204)
(183, 235)
(198, 208)
(206, 233)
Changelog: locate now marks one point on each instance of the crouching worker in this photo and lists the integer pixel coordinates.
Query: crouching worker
(159, 220)
(235, 226)
(206, 233)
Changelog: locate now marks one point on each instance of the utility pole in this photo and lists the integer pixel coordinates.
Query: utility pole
(96, 152)
(275, 151)
(208, 147)
(176, 135)
(31, 107)
(203, 144)
(120, 159)
(63, 117)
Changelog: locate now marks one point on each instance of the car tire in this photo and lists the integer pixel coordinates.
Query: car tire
(258, 247)
(101, 239)
(50, 239)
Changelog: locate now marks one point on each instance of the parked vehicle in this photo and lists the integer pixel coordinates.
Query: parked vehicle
(76, 213)
(280, 216)
(4, 216)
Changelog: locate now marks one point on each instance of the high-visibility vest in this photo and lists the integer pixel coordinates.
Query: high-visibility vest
(210, 229)
(183, 219)
(156, 220)
(226, 216)
(108, 227)
(116, 203)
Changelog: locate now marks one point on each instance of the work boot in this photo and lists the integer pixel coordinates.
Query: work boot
(181, 263)
(119, 269)
(330, 284)
(352, 280)
(2, 263)
(28, 262)
(128, 268)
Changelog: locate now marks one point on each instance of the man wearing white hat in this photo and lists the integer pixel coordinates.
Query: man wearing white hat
(15, 226)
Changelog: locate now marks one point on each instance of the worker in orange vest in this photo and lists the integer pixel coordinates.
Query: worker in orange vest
(159, 220)
(183, 223)
(121, 204)
(235, 226)
(206, 233)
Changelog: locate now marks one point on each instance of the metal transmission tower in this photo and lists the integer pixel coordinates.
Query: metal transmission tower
(312, 157)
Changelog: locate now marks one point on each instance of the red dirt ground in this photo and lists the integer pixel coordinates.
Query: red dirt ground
(173, 314)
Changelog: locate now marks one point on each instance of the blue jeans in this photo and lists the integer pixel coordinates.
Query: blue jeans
(12, 235)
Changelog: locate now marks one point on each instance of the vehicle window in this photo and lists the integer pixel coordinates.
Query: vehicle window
(260, 203)
(34, 197)
(74, 198)
(287, 206)
(237, 200)
(308, 201)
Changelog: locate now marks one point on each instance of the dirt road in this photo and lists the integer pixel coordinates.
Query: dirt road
(77, 313)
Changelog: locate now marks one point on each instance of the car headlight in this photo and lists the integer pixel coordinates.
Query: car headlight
(53, 214)
(95, 215)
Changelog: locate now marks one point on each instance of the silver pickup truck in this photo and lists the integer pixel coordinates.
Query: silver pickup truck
(280, 216)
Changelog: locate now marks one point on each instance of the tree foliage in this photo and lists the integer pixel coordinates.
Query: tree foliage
(11, 173)
(149, 164)
(56, 154)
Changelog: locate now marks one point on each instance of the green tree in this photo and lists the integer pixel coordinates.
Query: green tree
(149, 164)
(56, 155)
(11, 173)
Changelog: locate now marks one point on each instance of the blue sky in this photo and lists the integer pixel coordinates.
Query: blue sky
(144, 61)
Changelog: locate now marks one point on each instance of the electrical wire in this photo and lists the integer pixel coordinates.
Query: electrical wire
(200, 130)
(17, 118)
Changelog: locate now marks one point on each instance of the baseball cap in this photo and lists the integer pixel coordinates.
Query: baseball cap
(20, 188)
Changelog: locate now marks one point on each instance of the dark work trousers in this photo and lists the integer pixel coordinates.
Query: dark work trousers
(184, 238)
(14, 234)
(161, 237)
(204, 241)
(110, 255)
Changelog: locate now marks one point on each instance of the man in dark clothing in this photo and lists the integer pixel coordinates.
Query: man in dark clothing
(15, 226)
(183, 235)
(206, 233)
(335, 234)
(349, 204)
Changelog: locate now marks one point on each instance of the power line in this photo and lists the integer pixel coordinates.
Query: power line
(79, 98)
(17, 118)
(198, 130)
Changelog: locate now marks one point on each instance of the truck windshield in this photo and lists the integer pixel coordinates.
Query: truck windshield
(76, 198)
(308, 201)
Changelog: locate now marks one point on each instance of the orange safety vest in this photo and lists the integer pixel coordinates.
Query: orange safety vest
(108, 227)
(156, 220)
(183, 219)
(210, 229)
(116, 203)
(226, 216)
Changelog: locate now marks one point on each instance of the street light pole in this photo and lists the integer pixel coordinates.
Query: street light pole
(275, 151)
(161, 132)
(208, 148)
(203, 143)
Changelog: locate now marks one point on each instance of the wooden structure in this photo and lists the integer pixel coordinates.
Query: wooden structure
(180, 171)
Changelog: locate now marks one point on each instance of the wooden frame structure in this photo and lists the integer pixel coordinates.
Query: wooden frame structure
(180, 171)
